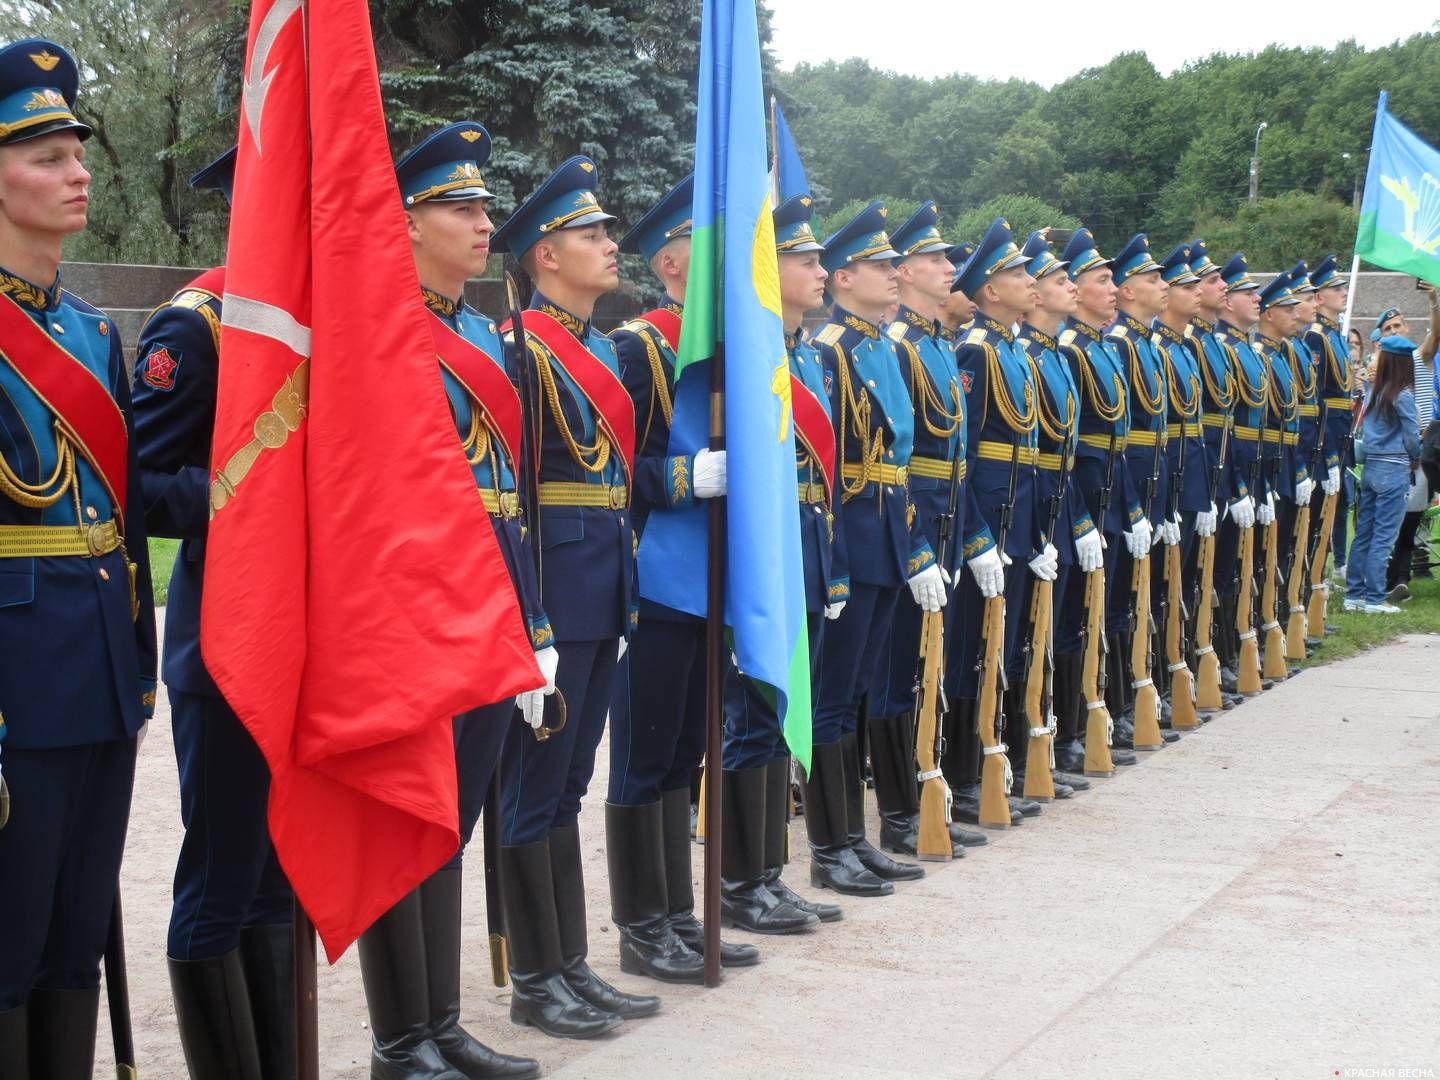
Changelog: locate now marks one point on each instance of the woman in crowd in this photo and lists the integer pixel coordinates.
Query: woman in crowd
(1340, 531)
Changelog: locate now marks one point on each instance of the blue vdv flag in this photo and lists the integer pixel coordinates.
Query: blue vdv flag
(787, 178)
(1400, 214)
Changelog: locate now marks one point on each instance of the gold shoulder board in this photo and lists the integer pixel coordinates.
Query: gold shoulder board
(829, 334)
(896, 331)
(1068, 337)
(192, 298)
(976, 336)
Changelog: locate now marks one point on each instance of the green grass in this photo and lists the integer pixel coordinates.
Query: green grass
(162, 558)
(1359, 632)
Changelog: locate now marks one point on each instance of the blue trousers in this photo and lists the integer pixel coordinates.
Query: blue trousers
(545, 781)
(848, 657)
(227, 877)
(479, 738)
(1384, 487)
(657, 712)
(60, 864)
(753, 736)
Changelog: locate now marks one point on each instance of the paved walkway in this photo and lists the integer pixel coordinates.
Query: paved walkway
(1261, 899)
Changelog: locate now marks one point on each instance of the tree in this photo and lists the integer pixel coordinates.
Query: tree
(1277, 232)
(897, 209)
(1025, 213)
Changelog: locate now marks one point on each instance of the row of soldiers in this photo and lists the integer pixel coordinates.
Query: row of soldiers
(972, 422)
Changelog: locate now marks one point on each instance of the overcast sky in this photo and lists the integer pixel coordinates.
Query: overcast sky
(1046, 42)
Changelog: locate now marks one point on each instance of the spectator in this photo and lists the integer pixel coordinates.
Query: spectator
(1345, 498)
(1391, 437)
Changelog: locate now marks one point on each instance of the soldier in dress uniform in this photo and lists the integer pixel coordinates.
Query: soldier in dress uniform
(1002, 435)
(1077, 540)
(1310, 447)
(657, 714)
(1102, 478)
(927, 365)
(957, 311)
(230, 947)
(77, 626)
(1141, 295)
(756, 761)
(587, 542)
(879, 547)
(1239, 312)
(1332, 363)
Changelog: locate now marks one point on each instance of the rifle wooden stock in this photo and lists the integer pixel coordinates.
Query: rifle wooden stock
(1039, 783)
(1295, 624)
(933, 844)
(1248, 677)
(1147, 700)
(994, 801)
(1319, 594)
(700, 810)
(1098, 724)
(1275, 667)
(1207, 675)
(1182, 683)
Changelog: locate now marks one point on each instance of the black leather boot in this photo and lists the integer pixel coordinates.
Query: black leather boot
(777, 841)
(268, 953)
(15, 1041)
(899, 820)
(540, 995)
(680, 889)
(62, 1034)
(965, 805)
(440, 913)
(832, 864)
(213, 1009)
(638, 906)
(392, 965)
(746, 901)
(874, 860)
(569, 880)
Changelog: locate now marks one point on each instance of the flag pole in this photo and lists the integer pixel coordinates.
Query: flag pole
(1350, 293)
(307, 1013)
(714, 681)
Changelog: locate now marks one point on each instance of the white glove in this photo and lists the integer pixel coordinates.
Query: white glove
(532, 702)
(928, 588)
(1265, 512)
(1090, 550)
(1242, 512)
(1331, 484)
(1303, 490)
(620, 653)
(1170, 531)
(1045, 565)
(709, 474)
(832, 611)
(1139, 538)
(1205, 522)
(989, 572)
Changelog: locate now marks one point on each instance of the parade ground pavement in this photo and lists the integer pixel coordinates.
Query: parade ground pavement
(1260, 899)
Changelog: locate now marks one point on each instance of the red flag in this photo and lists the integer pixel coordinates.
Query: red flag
(355, 597)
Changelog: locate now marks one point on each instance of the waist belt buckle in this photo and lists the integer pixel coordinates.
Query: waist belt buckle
(902, 475)
(97, 539)
(509, 504)
(618, 497)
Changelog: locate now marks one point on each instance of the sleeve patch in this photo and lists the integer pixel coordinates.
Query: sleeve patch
(161, 366)
(967, 379)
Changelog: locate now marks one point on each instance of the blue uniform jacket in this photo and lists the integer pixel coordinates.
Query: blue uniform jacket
(927, 363)
(587, 552)
(1182, 373)
(1332, 360)
(1059, 420)
(78, 661)
(1215, 363)
(1149, 411)
(1251, 386)
(816, 518)
(1284, 464)
(878, 537)
(1001, 403)
(1310, 449)
(1098, 374)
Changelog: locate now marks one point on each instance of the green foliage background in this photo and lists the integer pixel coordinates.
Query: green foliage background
(1118, 147)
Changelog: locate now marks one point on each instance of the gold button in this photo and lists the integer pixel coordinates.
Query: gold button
(872, 382)
(890, 420)
(90, 513)
(104, 574)
(59, 329)
(891, 453)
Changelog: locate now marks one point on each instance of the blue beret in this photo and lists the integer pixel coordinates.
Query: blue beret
(446, 166)
(668, 219)
(1134, 258)
(219, 175)
(38, 84)
(793, 232)
(1082, 254)
(1397, 344)
(565, 200)
(1176, 268)
(1326, 275)
(1387, 315)
(1042, 260)
(1277, 293)
(919, 235)
(1237, 274)
(1200, 262)
(996, 252)
(861, 239)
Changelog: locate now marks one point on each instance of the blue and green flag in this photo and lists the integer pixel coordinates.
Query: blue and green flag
(1400, 214)
(732, 303)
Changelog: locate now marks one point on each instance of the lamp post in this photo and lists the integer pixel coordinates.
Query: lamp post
(1255, 163)
(1355, 185)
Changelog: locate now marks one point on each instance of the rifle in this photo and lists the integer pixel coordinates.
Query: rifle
(1248, 675)
(996, 776)
(1295, 627)
(1182, 684)
(1040, 672)
(1319, 591)
(117, 994)
(933, 842)
(1207, 675)
(1147, 699)
(1275, 667)
(1099, 725)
